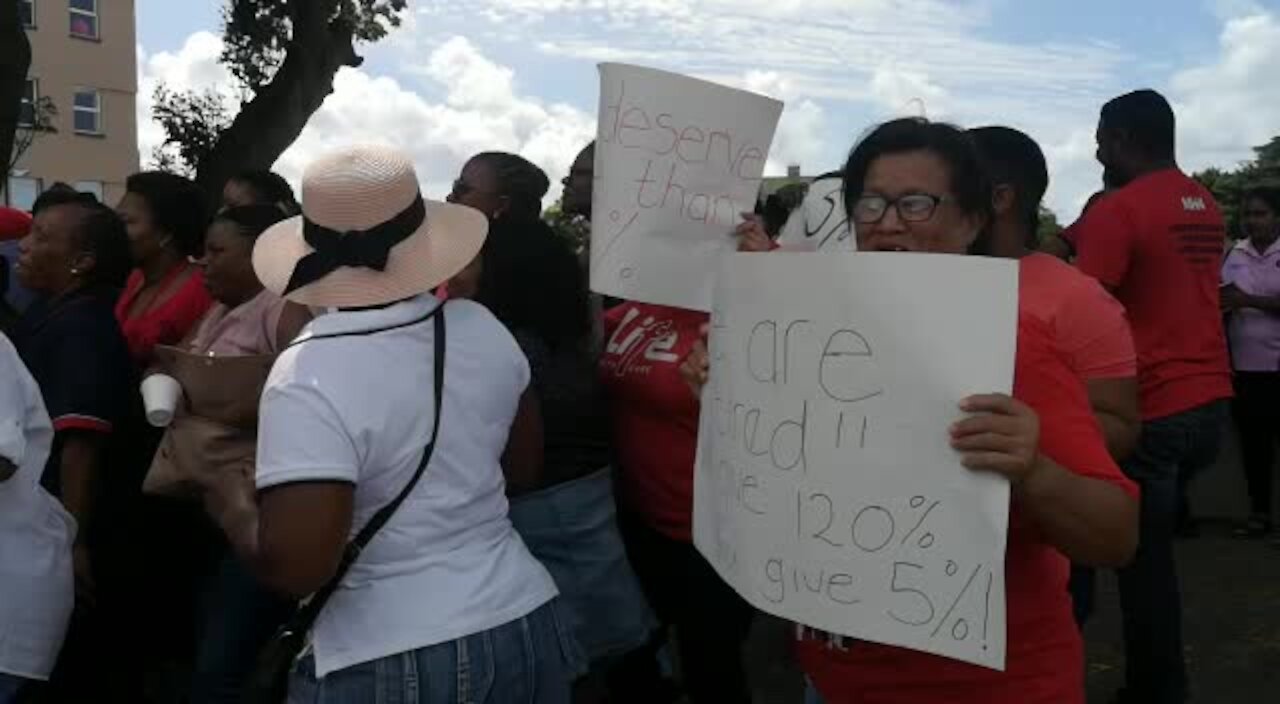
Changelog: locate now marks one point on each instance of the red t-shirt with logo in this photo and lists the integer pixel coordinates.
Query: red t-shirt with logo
(1157, 244)
(654, 414)
(1089, 324)
(1045, 656)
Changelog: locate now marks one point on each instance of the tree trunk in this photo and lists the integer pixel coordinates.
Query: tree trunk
(15, 61)
(274, 118)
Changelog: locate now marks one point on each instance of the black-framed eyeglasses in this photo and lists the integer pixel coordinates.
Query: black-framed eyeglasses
(913, 207)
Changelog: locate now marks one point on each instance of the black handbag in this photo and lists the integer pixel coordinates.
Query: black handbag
(269, 683)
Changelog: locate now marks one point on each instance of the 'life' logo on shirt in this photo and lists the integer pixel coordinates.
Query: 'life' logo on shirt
(1194, 204)
(635, 342)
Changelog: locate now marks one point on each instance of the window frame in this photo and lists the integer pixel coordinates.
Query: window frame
(32, 5)
(32, 103)
(98, 130)
(95, 16)
(8, 191)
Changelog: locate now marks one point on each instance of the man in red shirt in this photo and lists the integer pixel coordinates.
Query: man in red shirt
(1156, 243)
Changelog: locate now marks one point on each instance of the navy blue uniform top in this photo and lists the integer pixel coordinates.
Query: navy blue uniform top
(77, 355)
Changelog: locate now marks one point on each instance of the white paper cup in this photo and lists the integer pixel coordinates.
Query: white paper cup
(160, 394)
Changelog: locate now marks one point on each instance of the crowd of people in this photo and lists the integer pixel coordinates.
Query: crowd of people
(403, 439)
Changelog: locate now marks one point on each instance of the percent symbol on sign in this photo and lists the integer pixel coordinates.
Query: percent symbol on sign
(926, 540)
(960, 626)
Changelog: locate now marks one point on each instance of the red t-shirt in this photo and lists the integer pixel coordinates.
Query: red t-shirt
(1089, 324)
(654, 414)
(1045, 660)
(1158, 244)
(182, 305)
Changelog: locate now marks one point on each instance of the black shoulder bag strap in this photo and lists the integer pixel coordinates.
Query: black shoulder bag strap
(270, 681)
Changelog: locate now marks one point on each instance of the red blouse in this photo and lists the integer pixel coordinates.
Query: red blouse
(167, 323)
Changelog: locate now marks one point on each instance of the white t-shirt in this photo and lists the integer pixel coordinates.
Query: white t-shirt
(359, 409)
(37, 586)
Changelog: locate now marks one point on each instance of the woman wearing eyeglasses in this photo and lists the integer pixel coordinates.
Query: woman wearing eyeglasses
(916, 186)
(502, 186)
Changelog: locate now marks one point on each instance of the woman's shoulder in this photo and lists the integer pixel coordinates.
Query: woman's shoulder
(484, 340)
(191, 288)
(473, 322)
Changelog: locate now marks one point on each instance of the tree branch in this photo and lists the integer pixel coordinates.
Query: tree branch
(272, 120)
(15, 61)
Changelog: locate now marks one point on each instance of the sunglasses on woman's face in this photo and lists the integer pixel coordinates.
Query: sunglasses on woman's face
(462, 188)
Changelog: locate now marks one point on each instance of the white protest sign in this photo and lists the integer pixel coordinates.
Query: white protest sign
(678, 160)
(820, 223)
(826, 491)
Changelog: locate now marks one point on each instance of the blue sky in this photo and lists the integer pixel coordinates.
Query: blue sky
(519, 75)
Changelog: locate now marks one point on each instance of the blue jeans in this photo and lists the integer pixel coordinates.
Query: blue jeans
(572, 528)
(240, 616)
(811, 694)
(531, 659)
(9, 687)
(1170, 448)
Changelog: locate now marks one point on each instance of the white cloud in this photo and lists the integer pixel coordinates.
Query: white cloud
(802, 131)
(194, 66)
(1232, 103)
(1225, 105)
(481, 110)
(907, 92)
(839, 65)
(833, 48)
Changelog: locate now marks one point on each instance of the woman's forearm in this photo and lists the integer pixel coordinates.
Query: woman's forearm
(78, 474)
(292, 537)
(1088, 520)
(1270, 304)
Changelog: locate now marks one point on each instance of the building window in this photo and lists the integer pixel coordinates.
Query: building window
(27, 13)
(84, 18)
(88, 111)
(27, 108)
(94, 187)
(23, 191)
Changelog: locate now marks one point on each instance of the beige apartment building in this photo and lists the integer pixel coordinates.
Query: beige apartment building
(84, 59)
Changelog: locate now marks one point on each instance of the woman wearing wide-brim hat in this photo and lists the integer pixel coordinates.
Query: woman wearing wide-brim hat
(384, 434)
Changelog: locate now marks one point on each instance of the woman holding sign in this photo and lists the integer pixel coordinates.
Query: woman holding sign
(916, 186)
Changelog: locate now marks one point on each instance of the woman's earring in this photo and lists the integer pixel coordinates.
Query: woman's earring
(75, 271)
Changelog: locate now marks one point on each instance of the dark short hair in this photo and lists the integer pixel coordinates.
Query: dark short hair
(518, 179)
(1267, 194)
(969, 182)
(251, 220)
(269, 188)
(533, 282)
(1148, 120)
(1012, 157)
(178, 206)
(60, 193)
(102, 234)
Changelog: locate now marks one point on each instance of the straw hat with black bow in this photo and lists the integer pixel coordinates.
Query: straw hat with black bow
(366, 236)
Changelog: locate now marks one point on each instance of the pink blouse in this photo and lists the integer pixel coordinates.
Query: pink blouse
(247, 329)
